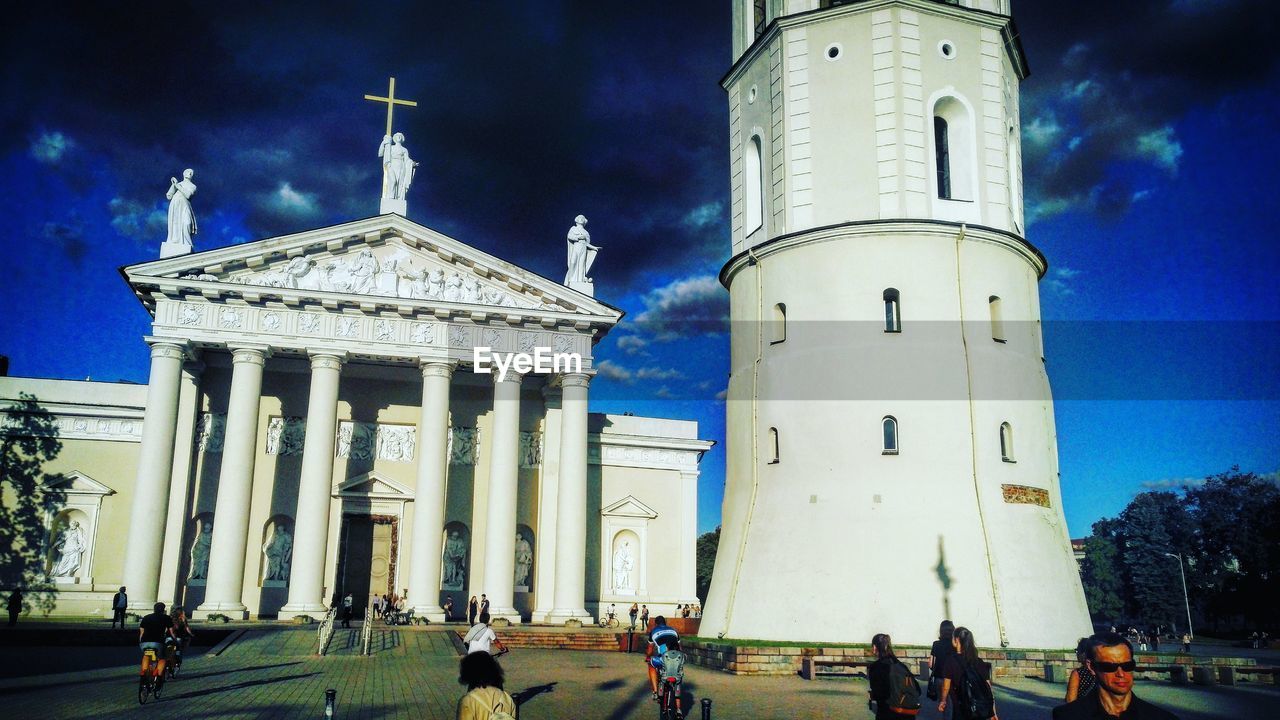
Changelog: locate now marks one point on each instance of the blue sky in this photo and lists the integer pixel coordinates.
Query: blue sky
(1150, 157)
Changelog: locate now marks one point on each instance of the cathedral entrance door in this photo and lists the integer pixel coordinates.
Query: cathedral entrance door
(367, 558)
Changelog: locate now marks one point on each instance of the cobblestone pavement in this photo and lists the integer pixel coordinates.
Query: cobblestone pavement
(272, 673)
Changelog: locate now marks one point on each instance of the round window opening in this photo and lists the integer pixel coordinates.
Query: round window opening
(833, 52)
(947, 49)
(751, 94)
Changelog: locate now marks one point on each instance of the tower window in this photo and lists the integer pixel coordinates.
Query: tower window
(1006, 442)
(758, 12)
(892, 312)
(997, 319)
(779, 324)
(942, 157)
(890, 427)
(753, 185)
(773, 446)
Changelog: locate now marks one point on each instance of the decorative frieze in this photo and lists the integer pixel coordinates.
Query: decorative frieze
(642, 456)
(367, 441)
(73, 427)
(285, 435)
(530, 449)
(464, 445)
(209, 432)
(1025, 495)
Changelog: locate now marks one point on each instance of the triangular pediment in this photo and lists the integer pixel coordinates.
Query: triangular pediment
(77, 483)
(629, 506)
(385, 260)
(372, 485)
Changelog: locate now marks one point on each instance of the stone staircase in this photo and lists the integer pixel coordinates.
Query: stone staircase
(558, 640)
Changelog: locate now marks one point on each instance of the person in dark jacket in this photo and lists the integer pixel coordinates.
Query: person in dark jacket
(878, 677)
(15, 606)
(1111, 661)
(953, 670)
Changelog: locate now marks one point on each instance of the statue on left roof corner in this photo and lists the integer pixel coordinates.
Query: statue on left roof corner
(182, 219)
(397, 167)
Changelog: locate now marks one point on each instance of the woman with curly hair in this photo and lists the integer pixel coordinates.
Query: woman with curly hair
(485, 697)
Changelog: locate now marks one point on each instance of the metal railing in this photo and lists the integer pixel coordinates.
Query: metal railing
(366, 631)
(324, 634)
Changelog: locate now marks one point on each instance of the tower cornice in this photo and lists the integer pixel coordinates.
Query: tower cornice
(877, 229)
(1004, 23)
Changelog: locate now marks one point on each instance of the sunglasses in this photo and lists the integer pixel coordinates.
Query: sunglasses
(1110, 667)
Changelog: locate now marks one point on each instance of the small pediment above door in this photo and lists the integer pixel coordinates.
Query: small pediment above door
(372, 486)
(629, 506)
(77, 483)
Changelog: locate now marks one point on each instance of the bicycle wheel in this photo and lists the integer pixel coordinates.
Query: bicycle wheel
(666, 703)
(144, 689)
(613, 622)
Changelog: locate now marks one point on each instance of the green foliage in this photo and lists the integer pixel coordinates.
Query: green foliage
(27, 501)
(219, 617)
(707, 544)
(1228, 532)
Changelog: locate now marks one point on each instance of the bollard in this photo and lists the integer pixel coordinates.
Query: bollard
(631, 646)
(330, 702)
(706, 708)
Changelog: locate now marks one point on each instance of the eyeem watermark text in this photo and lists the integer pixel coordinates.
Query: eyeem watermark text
(541, 360)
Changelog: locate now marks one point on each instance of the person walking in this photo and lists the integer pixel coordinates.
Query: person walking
(15, 606)
(1082, 680)
(347, 608)
(119, 604)
(1186, 642)
(1111, 660)
(644, 618)
(965, 686)
(634, 612)
(940, 649)
(1155, 640)
(448, 608)
(485, 698)
(484, 604)
(894, 691)
(473, 609)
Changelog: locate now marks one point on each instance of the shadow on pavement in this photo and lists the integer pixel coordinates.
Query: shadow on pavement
(528, 694)
(239, 686)
(192, 676)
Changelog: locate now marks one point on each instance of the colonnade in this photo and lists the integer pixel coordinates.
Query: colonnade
(225, 585)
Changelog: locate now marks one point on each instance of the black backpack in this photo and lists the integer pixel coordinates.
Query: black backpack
(976, 701)
(904, 690)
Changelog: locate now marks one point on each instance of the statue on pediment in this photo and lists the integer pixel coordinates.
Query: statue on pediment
(182, 219)
(582, 254)
(397, 167)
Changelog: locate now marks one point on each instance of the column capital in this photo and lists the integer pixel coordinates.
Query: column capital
(249, 353)
(578, 379)
(174, 348)
(512, 377)
(329, 359)
(432, 367)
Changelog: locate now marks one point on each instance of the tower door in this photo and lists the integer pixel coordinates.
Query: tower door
(366, 558)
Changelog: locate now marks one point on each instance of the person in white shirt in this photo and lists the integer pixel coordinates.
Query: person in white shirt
(482, 638)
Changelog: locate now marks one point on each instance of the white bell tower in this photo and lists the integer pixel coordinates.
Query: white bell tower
(891, 452)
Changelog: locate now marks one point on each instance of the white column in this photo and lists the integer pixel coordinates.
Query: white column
(235, 487)
(155, 467)
(571, 516)
(544, 550)
(176, 551)
(500, 523)
(425, 549)
(311, 523)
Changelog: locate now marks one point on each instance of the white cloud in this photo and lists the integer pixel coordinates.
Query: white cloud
(695, 305)
(1161, 146)
(703, 216)
(1059, 280)
(632, 344)
(1140, 195)
(50, 147)
(291, 203)
(1041, 209)
(665, 393)
(657, 373)
(1042, 131)
(613, 371)
(132, 219)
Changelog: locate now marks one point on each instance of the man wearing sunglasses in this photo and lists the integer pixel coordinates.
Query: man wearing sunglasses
(1111, 659)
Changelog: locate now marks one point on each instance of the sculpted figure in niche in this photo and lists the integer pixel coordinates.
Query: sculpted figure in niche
(524, 560)
(455, 561)
(435, 284)
(200, 552)
(453, 288)
(582, 254)
(71, 547)
(182, 219)
(623, 563)
(279, 552)
(397, 167)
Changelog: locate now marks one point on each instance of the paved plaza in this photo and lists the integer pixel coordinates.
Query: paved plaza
(272, 672)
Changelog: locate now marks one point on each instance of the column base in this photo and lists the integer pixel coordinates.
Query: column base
(511, 615)
(315, 610)
(560, 616)
(433, 613)
(235, 611)
(142, 607)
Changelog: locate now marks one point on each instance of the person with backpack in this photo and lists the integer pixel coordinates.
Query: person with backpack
(895, 692)
(964, 681)
(485, 698)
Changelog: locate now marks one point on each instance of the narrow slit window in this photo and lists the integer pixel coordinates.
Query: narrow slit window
(892, 311)
(997, 319)
(942, 157)
(890, 427)
(779, 324)
(753, 190)
(1006, 442)
(773, 446)
(758, 13)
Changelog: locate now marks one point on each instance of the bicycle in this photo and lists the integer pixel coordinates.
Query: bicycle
(610, 621)
(668, 698)
(151, 676)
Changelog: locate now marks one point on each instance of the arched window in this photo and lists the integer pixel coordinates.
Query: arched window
(890, 427)
(953, 150)
(997, 318)
(892, 311)
(779, 324)
(942, 157)
(753, 185)
(1006, 442)
(773, 446)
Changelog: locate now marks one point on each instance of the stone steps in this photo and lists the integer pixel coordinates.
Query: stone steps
(526, 639)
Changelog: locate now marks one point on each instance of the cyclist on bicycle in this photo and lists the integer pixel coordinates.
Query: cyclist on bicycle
(152, 632)
(663, 639)
(182, 632)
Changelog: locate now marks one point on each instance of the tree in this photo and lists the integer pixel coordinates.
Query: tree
(29, 442)
(1145, 527)
(1102, 573)
(707, 544)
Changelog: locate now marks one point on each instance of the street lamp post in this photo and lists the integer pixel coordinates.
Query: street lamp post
(1185, 598)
